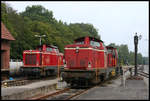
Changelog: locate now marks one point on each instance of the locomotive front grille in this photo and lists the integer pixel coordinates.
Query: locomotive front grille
(30, 59)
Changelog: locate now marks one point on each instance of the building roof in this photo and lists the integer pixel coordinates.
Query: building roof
(5, 34)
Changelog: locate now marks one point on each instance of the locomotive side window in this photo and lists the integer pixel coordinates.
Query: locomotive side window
(80, 42)
(48, 49)
(109, 51)
(94, 43)
(56, 50)
(113, 53)
(40, 49)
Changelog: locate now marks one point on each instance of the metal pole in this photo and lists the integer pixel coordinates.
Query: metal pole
(135, 43)
(40, 36)
(135, 59)
(40, 40)
(124, 77)
(58, 69)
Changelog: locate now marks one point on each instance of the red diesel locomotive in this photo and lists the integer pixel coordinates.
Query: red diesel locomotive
(88, 61)
(43, 61)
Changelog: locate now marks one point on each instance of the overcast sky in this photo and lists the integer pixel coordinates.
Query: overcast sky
(116, 22)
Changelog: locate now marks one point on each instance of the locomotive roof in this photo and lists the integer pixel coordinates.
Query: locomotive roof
(93, 38)
(52, 46)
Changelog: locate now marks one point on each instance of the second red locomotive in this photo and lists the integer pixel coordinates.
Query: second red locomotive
(88, 61)
(43, 61)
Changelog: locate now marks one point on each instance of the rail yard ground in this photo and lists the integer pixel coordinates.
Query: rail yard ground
(133, 89)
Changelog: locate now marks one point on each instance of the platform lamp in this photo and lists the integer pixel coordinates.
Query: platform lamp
(40, 36)
(136, 38)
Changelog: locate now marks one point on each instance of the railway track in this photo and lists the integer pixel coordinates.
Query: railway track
(143, 74)
(19, 82)
(67, 93)
(140, 73)
(22, 81)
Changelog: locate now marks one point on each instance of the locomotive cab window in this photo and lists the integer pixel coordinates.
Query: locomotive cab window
(80, 42)
(109, 51)
(40, 49)
(113, 53)
(49, 49)
(56, 50)
(94, 43)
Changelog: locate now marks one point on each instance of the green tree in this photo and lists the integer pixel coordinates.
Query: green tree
(36, 20)
(139, 58)
(38, 13)
(131, 58)
(145, 60)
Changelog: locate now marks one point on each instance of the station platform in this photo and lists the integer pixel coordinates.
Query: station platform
(133, 90)
(29, 90)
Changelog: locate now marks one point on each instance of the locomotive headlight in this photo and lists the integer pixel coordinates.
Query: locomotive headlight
(89, 65)
(77, 49)
(37, 63)
(65, 64)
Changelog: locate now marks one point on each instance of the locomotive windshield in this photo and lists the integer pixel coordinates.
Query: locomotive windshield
(80, 41)
(94, 43)
(40, 49)
(56, 50)
(113, 53)
(49, 49)
(109, 51)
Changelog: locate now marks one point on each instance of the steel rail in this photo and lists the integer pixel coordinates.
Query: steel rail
(15, 82)
(42, 97)
(78, 94)
(22, 81)
(144, 74)
(49, 95)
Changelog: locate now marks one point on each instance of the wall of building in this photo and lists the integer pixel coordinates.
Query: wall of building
(5, 54)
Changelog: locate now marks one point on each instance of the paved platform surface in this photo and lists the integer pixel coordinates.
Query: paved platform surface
(134, 90)
(19, 89)
(146, 80)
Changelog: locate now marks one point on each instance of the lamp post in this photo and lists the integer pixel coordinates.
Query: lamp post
(40, 36)
(136, 38)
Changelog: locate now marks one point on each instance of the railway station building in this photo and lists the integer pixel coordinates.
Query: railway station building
(6, 37)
